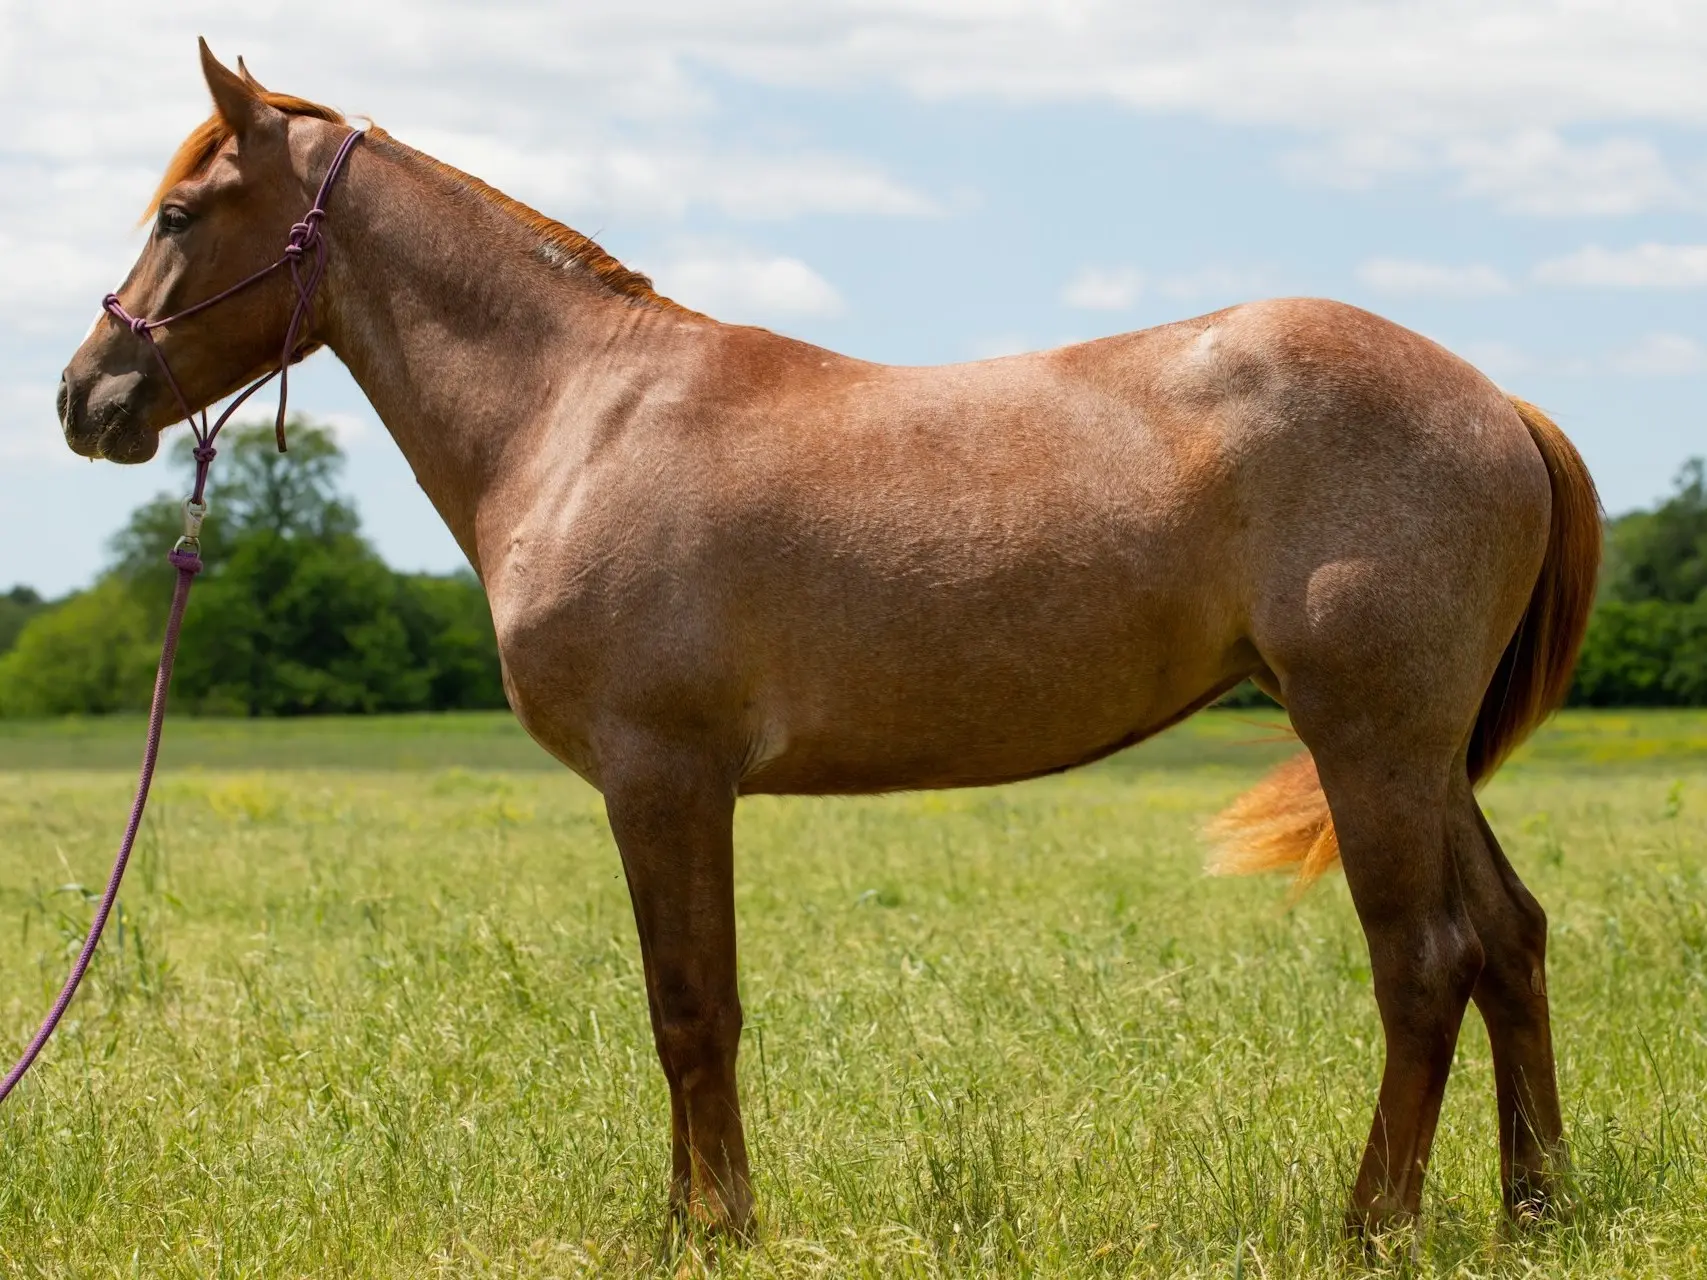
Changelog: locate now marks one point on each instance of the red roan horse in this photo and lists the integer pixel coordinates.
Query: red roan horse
(723, 562)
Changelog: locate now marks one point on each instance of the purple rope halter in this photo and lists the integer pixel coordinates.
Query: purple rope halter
(305, 238)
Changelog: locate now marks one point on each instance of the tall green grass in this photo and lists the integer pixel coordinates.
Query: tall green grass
(373, 1007)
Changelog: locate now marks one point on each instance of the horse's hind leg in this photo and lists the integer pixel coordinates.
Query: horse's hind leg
(1386, 763)
(1511, 994)
(1389, 808)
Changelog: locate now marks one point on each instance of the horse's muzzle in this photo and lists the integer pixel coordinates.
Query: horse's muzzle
(106, 416)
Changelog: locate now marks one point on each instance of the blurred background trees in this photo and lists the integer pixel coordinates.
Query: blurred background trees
(1647, 645)
(295, 613)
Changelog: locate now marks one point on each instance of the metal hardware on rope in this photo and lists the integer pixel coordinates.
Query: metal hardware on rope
(194, 513)
(185, 556)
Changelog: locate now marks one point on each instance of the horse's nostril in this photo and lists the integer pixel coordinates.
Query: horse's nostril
(62, 401)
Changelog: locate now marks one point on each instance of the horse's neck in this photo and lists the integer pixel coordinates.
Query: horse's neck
(463, 342)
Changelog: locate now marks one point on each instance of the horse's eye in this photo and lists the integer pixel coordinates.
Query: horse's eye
(172, 220)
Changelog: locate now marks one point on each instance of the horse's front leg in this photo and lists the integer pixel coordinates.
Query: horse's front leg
(672, 813)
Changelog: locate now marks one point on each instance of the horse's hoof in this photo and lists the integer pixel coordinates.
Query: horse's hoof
(1383, 1235)
(1538, 1200)
(714, 1217)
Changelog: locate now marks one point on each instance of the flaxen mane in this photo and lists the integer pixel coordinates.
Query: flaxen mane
(558, 246)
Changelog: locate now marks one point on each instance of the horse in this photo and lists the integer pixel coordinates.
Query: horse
(723, 562)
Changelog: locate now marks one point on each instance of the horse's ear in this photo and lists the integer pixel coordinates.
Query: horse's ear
(248, 79)
(238, 103)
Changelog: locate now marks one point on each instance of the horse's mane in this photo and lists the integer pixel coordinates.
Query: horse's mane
(559, 246)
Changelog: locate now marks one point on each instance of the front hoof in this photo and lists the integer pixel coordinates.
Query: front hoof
(1383, 1235)
(699, 1215)
(727, 1218)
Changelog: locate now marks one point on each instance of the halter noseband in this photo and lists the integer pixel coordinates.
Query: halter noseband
(305, 239)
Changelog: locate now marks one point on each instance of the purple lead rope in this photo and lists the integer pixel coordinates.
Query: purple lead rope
(188, 565)
(186, 556)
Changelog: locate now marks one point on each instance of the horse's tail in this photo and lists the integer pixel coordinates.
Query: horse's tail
(1283, 822)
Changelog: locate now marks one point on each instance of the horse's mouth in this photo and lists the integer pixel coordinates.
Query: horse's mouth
(119, 438)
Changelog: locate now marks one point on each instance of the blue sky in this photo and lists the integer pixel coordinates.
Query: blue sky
(934, 181)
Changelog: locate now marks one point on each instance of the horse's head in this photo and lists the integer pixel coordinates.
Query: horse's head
(223, 211)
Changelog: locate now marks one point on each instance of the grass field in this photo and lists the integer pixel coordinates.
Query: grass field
(373, 1008)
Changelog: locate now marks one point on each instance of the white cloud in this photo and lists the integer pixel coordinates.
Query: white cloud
(29, 430)
(346, 428)
(745, 286)
(1104, 289)
(1120, 288)
(1356, 160)
(669, 181)
(1661, 355)
(1484, 88)
(1496, 358)
(1646, 266)
(1404, 277)
(1538, 172)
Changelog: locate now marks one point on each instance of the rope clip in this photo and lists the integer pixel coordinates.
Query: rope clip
(194, 513)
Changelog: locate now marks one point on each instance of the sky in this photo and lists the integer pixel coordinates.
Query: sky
(926, 181)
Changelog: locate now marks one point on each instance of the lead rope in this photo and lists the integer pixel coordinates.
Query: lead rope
(185, 557)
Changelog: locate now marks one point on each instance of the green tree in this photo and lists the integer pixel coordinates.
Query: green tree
(450, 635)
(1662, 554)
(1647, 640)
(95, 653)
(252, 488)
(1646, 653)
(298, 614)
(17, 607)
(291, 626)
(294, 614)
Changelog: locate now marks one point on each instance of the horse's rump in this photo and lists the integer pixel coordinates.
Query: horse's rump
(1283, 823)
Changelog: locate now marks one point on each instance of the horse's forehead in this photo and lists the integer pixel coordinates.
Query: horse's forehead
(223, 169)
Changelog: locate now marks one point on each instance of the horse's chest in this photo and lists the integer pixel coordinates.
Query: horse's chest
(586, 641)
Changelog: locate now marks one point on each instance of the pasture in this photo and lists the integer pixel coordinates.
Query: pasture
(374, 1008)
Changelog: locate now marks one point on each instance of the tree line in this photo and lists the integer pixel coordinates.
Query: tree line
(296, 614)
(1647, 643)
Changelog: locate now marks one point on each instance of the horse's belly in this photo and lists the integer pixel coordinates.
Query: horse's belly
(967, 701)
